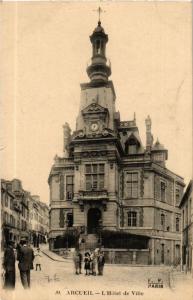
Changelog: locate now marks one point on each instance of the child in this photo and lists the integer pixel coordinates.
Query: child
(87, 263)
(38, 259)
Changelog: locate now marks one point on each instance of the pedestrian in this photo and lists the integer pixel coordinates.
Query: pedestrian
(101, 262)
(87, 263)
(9, 266)
(91, 263)
(80, 262)
(25, 256)
(76, 259)
(94, 261)
(37, 259)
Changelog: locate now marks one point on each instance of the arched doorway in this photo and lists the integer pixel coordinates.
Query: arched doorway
(93, 217)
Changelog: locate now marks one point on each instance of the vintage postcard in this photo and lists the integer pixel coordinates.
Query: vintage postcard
(96, 150)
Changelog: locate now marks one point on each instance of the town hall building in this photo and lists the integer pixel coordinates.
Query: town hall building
(108, 180)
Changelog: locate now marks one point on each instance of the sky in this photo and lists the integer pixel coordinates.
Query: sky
(44, 55)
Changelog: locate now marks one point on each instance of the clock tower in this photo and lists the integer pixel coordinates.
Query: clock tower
(97, 105)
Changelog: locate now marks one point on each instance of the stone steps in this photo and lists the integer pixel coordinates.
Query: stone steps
(91, 242)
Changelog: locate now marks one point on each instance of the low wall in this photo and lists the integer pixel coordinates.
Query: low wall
(125, 256)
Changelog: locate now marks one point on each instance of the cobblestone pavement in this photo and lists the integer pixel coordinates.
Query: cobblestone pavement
(57, 280)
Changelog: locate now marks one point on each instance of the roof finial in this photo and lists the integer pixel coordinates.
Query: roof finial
(99, 10)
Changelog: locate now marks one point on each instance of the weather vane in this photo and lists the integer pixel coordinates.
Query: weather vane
(99, 10)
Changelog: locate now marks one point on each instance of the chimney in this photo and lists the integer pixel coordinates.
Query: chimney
(67, 136)
(149, 136)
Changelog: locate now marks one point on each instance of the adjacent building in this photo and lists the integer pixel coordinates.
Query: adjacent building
(39, 220)
(14, 211)
(108, 180)
(187, 228)
(16, 208)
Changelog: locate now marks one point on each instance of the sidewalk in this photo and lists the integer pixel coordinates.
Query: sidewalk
(44, 249)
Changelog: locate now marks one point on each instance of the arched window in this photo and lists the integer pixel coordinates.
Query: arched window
(98, 47)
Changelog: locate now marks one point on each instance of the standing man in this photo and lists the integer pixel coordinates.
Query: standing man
(25, 256)
(77, 258)
(9, 266)
(101, 262)
(80, 262)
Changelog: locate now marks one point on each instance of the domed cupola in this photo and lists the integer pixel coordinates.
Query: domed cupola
(99, 70)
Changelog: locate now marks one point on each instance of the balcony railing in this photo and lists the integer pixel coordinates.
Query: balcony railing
(93, 194)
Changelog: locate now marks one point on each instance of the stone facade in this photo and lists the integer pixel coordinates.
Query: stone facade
(108, 179)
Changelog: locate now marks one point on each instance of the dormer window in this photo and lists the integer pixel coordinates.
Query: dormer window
(131, 146)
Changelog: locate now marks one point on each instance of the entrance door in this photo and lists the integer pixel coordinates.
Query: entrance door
(94, 215)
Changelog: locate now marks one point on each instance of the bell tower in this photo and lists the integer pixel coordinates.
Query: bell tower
(99, 70)
(97, 103)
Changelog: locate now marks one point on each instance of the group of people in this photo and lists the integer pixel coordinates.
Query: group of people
(25, 256)
(93, 260)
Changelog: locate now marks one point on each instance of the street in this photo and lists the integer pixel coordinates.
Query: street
(57, 280)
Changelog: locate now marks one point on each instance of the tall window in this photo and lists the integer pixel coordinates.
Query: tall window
(69, 187)
(163, 221)
(177, 196)
(12, 220)
(95, 174)
(61, 187)
(163, 191)
(6, 200)
(177, 224)
(186, 214)
(183, 219)
(132, 185)
(23, 211)
(69, 217)
(132, 218)
(11, 203)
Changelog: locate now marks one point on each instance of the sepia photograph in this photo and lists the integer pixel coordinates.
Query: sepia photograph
(96, 150)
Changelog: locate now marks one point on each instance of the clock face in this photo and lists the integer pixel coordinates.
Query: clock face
(94, 127)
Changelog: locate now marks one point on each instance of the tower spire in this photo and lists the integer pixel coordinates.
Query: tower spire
(99, 70)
